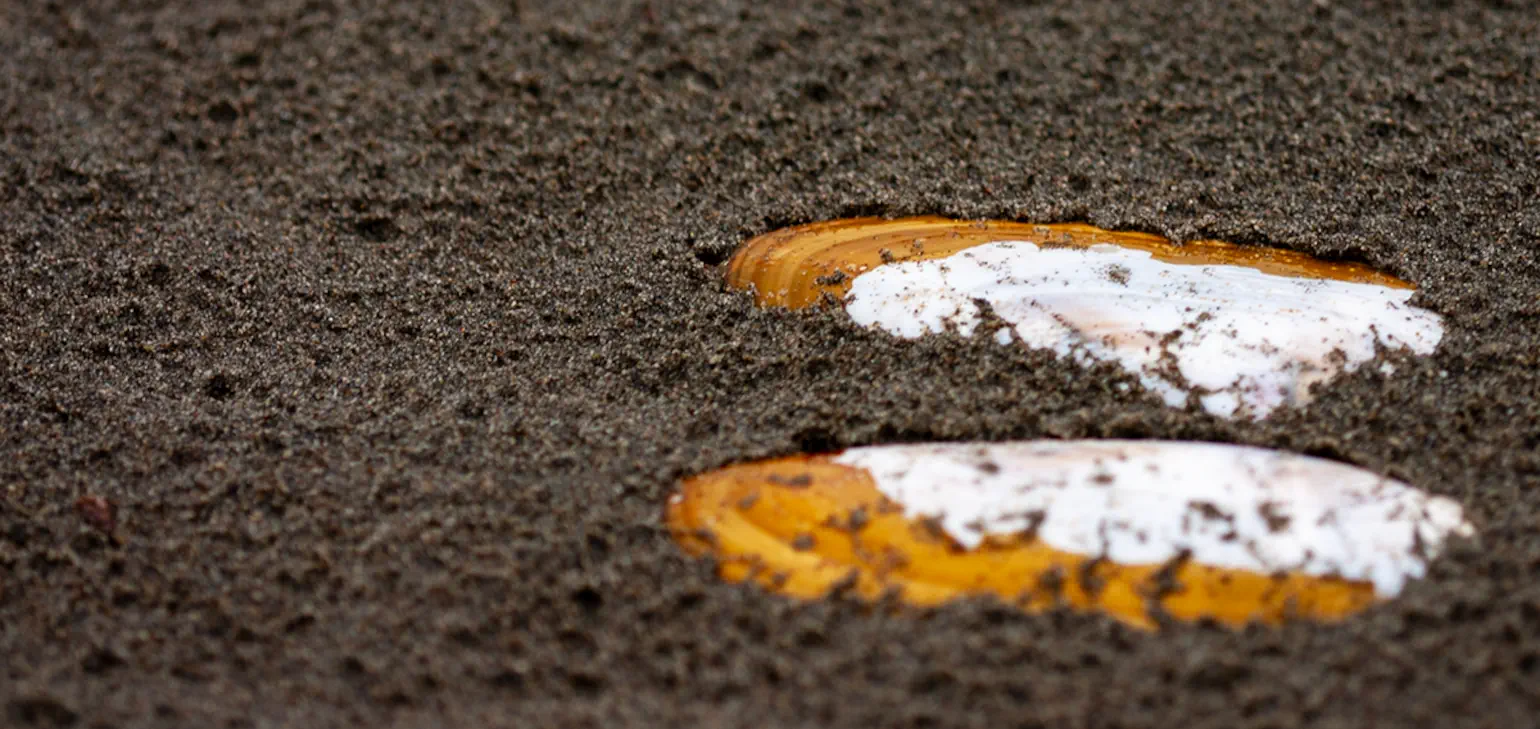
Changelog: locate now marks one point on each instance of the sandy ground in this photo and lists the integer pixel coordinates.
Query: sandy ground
(386, 332)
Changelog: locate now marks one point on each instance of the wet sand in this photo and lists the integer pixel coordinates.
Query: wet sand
(385, 332)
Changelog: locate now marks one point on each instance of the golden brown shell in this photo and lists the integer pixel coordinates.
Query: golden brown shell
(796, 267)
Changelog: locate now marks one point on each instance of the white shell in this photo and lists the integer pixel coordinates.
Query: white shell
(1246, 342)
(1148, 502)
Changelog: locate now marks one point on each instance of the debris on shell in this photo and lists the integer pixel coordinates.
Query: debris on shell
(1244, 330)
(1134, 529)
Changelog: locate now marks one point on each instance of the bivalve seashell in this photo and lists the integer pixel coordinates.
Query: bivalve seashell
(1240, 330)
(1133, 529)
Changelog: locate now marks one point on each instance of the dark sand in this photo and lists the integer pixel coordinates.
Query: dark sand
(387, 332)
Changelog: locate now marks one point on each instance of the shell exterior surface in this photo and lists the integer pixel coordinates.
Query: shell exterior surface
(1146, 502)
(1191, 531)
(795, 267)
(1243, 330)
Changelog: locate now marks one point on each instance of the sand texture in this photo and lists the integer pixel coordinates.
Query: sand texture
(376, 334)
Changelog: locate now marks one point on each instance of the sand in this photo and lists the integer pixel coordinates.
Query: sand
(385, 332)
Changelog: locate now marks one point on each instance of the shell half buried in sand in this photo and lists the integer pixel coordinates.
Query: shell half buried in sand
(1134, 529)
(1243, 330)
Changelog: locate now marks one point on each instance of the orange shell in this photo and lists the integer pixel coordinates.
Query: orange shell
(795, 267)
(804, 526)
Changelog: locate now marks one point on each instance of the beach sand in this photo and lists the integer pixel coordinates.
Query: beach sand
(387, 328)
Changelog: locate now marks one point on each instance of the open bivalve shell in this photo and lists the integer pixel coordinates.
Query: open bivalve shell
(1244, 330)
(1133, 529)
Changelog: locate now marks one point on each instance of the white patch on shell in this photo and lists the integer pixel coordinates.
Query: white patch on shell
(1245, 341)
(1148, 502)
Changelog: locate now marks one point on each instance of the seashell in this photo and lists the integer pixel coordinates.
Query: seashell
(1133, 529)
(1244, 330)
